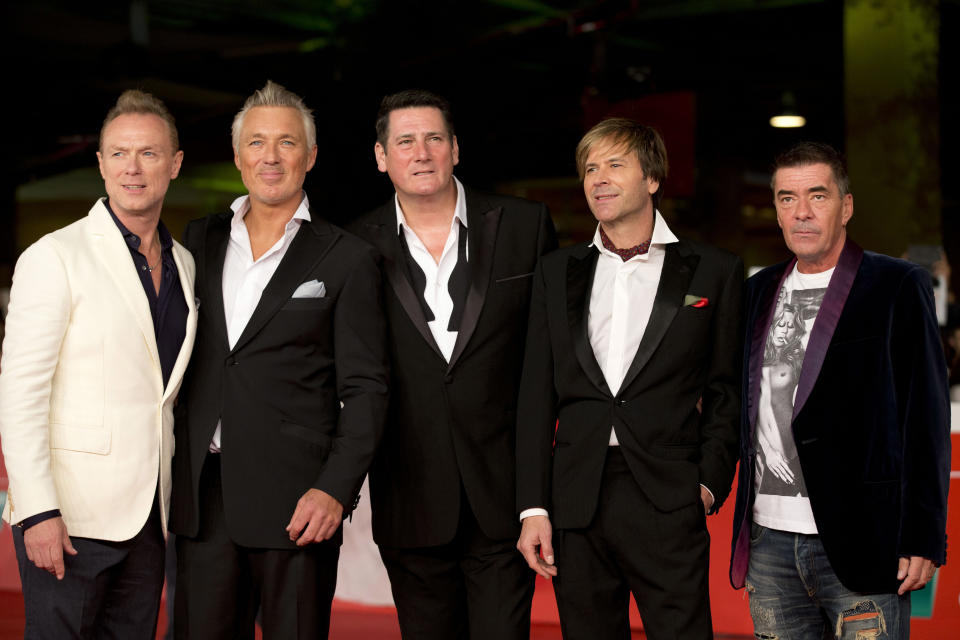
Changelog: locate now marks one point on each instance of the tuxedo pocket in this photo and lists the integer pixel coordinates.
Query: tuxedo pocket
(520, 276)
(80, 439)
(300, 432)
(306, 304)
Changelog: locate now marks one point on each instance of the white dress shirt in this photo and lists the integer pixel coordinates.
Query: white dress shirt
(621, 300)
(244, 278)
(436, 292)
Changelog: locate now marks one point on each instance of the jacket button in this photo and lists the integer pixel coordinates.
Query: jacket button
(621, 402)
(448, 379)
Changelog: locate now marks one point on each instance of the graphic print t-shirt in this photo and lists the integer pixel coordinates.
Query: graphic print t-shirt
(782, 502)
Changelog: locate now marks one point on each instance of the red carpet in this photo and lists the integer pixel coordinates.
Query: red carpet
(349, 622)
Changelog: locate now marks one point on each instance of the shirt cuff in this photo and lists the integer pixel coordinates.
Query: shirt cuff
(536, 511)
(26, 523)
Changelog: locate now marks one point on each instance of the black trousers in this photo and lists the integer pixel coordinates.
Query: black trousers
(630, 546)
(472, 588)
(110, 589)
(221, 586)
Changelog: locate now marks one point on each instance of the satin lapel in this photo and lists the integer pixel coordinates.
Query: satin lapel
(186, 283)
(581, 266)
(482, 238)
(115, 255)
(310, 245)
(766, 307)
(679, 264)
(826, 322)
(385, 237)
(216, 238)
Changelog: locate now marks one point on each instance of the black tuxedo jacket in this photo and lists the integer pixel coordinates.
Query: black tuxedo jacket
(871, 418)
(687, 353)
(454, 423)
(279, 391)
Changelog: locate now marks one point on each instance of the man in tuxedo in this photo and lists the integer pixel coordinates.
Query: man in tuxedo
(100, 328)
(845, 443)
(633, 345)
(459, 264)
(284, 400)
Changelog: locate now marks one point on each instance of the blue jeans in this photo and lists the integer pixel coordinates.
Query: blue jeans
(795, 595)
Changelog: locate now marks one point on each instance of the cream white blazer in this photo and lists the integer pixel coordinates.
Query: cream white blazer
(85, 422)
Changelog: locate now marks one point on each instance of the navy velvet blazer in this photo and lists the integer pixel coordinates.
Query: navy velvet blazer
(871, 418)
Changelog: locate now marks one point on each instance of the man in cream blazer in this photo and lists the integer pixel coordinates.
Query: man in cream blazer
(100, 327)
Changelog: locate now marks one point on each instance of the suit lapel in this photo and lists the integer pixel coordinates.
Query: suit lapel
(679, 265)
(482, 224)
(384, 235)
(186, 284)
(115, 255)
(216, 238)
(310, 245)
(766, 307)
(826, 322)
(581, 266)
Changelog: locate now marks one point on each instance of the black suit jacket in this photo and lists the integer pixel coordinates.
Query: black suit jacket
(687, 353)
(454, 423)
(278, 391)
(871, 419)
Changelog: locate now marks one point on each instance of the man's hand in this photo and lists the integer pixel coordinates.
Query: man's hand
(45, 543)
(915, 573)
(316, 518)
(536, 537)
(706, 498)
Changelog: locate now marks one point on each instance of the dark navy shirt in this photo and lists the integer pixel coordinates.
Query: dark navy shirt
(168, 307)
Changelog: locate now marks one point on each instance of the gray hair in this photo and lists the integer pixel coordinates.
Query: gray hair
(274, 95)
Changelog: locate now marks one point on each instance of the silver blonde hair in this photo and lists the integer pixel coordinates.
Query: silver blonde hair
(274, 95)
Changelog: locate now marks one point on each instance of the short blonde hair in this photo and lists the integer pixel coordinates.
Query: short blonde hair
(141, 102)
(641, 139)
(274, 95)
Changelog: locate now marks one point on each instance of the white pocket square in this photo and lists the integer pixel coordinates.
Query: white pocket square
(312, 289)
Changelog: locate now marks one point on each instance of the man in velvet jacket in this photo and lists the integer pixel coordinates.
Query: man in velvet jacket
(285, 396)
(633, 344)
(845, 448)
(458, 266)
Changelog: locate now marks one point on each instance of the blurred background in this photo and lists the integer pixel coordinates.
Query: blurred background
(526, 78)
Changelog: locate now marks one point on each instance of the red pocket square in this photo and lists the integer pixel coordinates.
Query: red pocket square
(695, 301)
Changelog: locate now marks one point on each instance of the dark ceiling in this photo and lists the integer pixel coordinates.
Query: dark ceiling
(526, 79)
(517, 71)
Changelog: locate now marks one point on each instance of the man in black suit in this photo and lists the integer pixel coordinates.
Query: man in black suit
(285, 397)
(459, 265)
(845, 440)
(633, 344)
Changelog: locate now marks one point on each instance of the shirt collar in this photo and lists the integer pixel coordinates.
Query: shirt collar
(459, 210)
(132, 239)
(241, 206)
(662, 235)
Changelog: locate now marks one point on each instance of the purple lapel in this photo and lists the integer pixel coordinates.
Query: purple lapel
(826, 322)
(766, 306)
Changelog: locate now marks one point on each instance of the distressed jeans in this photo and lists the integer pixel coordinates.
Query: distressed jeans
(795, 595)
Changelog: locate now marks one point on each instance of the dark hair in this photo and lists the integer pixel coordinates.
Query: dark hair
(141, 103)
(409, 99)
(636, 137)
(807, 153)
